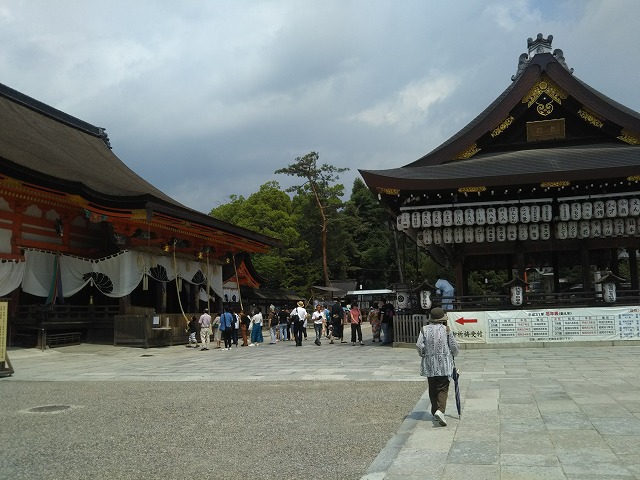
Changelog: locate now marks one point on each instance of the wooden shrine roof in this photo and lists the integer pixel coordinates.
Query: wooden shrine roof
(49, 149)
(601, 138)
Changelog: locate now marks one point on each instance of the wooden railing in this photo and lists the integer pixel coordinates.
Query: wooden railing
(49, 325)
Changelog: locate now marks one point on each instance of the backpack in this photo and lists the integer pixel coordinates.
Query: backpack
(294, 316)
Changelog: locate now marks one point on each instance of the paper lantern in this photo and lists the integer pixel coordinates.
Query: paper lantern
(479, 234)
(598, 209)
(481, 217)
(517, 295)
(447, 218)
(587, 210)
(634, 207)
(618, 227)
(534, 231)
(584, 229)
(564, 212)
(596, 229)
(547, 213)
(503, 215)
(501, 233)
(523, 232)
(416, 220)
(436, 218)
(469, 216)
(490, 233)
(623, 207)
(420, 239)
(572, 229)
(426, 219)
(468, 235)
(447, 235)
(629, 226)
(611, 208)
(492, 216)
(535, 213)
(525, 214)
(458, 217)
(437, 236)
(576, 211)
(458, 235)
(427, 236)
(425, 299)
(513, 215)
(545, 231)
(607, 227)
(562, 230)
(512, 233)
(609, 292)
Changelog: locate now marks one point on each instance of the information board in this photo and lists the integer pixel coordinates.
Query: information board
(546, 325)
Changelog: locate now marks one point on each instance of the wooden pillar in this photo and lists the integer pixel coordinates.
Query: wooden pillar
(520, 262)
(556, 271)
(586, 267)
(461, 279)
(633, 268)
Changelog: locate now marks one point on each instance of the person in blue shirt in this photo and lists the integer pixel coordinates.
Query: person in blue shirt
(226, 324)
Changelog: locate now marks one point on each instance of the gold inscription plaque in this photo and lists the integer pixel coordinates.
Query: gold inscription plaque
(545, 130)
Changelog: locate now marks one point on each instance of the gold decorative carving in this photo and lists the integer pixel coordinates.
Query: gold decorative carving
(388, 191)
(503, 126)
(544, 87)
(628, 137)
(472, 189)
(590, 117)
(544, 109)
(561, 183)
(633, 178)
(468, 153)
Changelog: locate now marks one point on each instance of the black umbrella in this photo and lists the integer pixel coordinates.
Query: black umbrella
(456, 376)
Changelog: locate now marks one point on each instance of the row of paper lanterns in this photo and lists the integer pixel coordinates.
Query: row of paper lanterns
(504, 215)
(609, 227)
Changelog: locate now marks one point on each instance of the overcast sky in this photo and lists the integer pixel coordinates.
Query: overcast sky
(205, 99)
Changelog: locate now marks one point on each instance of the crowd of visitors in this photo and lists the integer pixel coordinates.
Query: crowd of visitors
(290, 324)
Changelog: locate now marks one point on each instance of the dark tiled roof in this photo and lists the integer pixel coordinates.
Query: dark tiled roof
(592, 161)
(49, 148)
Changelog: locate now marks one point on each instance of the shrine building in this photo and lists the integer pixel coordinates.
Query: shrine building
(543, 181)
(83, 238)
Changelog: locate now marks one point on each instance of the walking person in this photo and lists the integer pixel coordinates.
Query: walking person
(256, 328)
(273, 326)
(193, 330)
(327, 318)
(437, 346)
(235, 326)
(318, 323)
(335, 329)
(298, 318)
(356, 323)
(245, 321)
(374, 320)
(205, 329)
(217, 334)
(226, 325)
(387, 312)
(283, 323)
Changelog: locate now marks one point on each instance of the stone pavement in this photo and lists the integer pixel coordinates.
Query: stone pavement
(528, 413)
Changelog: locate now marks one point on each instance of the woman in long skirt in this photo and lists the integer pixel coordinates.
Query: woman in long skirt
(374, 319)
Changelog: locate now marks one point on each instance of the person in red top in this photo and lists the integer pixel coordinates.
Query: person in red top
(356, 322)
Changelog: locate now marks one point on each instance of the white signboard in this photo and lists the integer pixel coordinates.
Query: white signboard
(546, 325)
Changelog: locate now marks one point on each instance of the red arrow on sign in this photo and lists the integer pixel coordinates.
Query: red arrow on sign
(463, 320)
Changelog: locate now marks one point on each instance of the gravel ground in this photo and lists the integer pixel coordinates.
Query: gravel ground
(221, 430)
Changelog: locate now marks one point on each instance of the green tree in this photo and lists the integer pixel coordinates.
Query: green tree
(270, 211)
(317, 182)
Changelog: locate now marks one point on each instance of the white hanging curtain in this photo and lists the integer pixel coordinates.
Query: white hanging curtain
(11, 275)
(114, 276)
